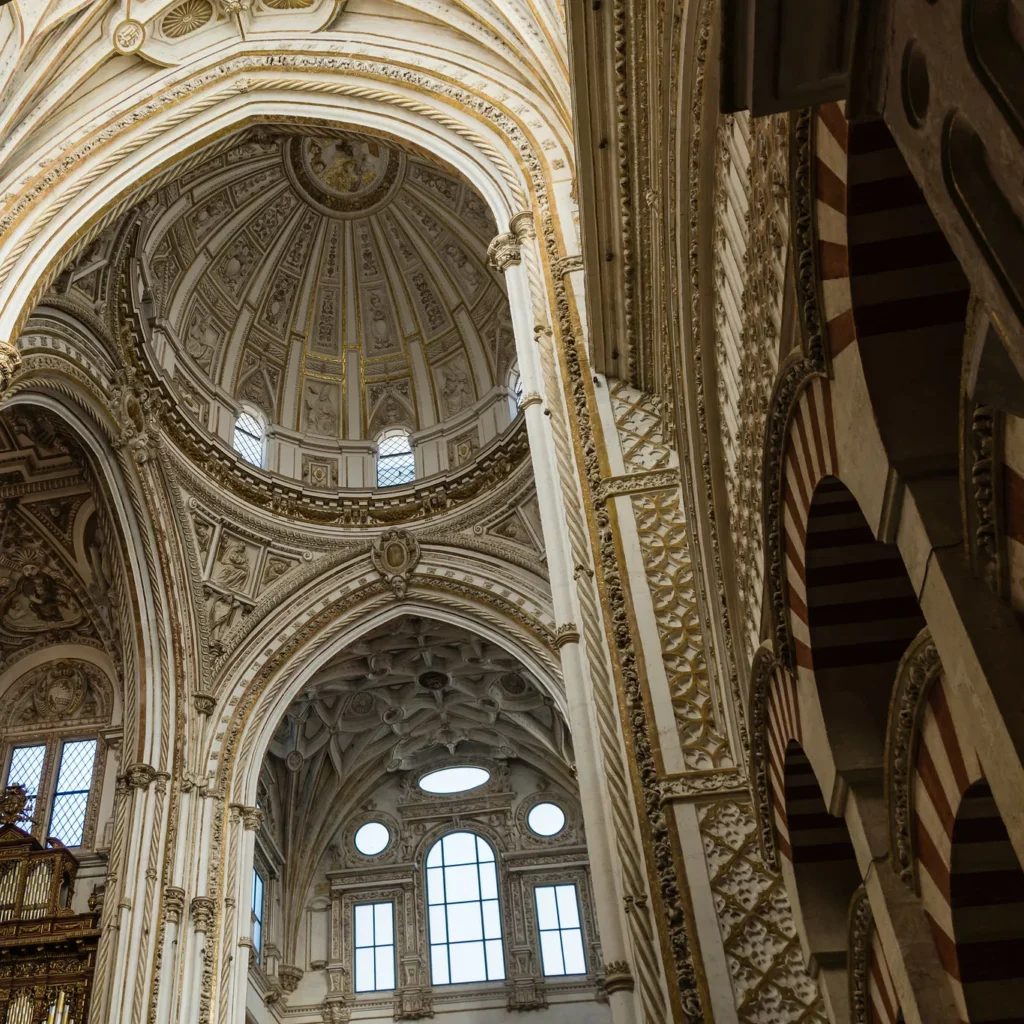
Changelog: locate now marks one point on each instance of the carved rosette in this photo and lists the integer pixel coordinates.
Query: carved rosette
(918, 670)
(204, 913)
(395, 555)
(504, 251)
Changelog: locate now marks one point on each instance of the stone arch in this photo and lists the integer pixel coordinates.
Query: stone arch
(253, 708)
(873, 996)
(860, 613)
(986, 896)
(892, 285)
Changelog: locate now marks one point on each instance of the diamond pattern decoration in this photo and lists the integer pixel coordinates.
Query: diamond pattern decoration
(27, 770)
(395, 462)
(248, 439)
(67, 820)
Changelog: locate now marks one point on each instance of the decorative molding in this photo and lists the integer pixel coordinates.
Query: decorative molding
(568, 265)
(918, 670)
(861, 926)
(638, 483)
(762, 672)
(530, 398)
(700, 784)
(395, 555)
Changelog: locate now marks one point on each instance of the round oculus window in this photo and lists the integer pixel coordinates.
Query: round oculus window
(457, 779)
(546, 819)
(372, 838)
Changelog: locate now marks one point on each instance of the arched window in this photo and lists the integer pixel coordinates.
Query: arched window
(250, 439)
(395, 462)
(462, 901)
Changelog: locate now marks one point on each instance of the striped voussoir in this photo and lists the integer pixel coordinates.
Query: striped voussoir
(810, 456)
(888, 275)
(972, 887)
(815, 836)
(783, 728)
(860, 611)
(885, 1007)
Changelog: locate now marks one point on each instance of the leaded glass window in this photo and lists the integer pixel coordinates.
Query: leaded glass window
(250, 437)
(374, 947)
(395, 461)
(464, 917)
(71, 800)
(27, 770)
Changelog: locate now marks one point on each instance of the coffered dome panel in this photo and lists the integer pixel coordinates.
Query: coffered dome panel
(339, 283)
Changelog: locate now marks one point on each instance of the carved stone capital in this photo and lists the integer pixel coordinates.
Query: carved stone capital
(566, 633)
(530, 398)
(252, 818)
(204, 913)
(521, 225)
(334, 1011)
(10, 360)
(174, 903)
(289, 975)
(504, 251)
(618, 977)
(204, 703)
(142, 776)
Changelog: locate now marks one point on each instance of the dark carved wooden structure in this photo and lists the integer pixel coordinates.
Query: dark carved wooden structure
(47, 953)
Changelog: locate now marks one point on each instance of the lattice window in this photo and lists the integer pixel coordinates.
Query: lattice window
(27, 770)
(561, 936)
(250, 437)
(257, 912)
(515, 385)
(464, 916)
(395, 461)
(374, 947)
(71, 800)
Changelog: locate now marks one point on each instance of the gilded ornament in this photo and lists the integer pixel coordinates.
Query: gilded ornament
(186, 18)
(129, 35)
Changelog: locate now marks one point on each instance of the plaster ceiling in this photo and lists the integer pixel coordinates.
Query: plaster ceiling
(339, 283)
(411, 693)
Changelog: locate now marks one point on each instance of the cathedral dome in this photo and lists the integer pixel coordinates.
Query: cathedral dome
(340, 286)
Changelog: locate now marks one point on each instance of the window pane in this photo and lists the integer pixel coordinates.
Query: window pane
(67, 819)
(572, 952)
(438, 928)
(468, 963)
(27, 770)
(364, 925)
(435, 885)
(551, 953)
(459, 848)
(547, 915)
(488, 882)
(439, 965)
(248, 438)
(568, 911)
(495, 961)
(464, 922)
(364, 969)
(460, 920)
(492, 920)
(396, 463)
(382, 929)
(461, 883)
(385, 967)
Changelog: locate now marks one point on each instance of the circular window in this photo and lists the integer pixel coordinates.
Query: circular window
(454, 780)
(372, 838)
(546, 819)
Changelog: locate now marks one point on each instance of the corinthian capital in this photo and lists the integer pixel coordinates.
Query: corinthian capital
(204, 913)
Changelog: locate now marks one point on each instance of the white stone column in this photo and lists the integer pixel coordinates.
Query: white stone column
(506, 254)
